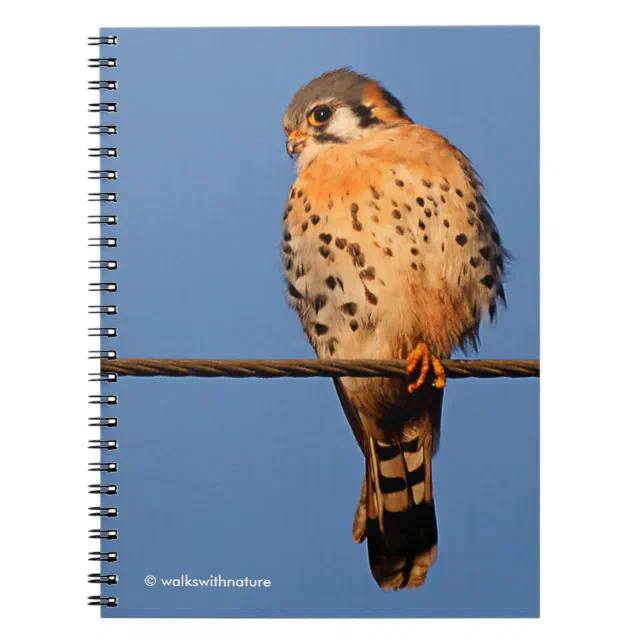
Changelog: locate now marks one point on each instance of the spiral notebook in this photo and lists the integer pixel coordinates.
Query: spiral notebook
(315, 195)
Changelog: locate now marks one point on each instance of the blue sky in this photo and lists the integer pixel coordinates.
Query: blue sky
(261, 478)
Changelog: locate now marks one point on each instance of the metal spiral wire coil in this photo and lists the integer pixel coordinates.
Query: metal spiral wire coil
(102, 332)
(101, 62)
(103, 84)
(103, 399)
(102, 40)
(97, 578)
(103, 107)
(101, 354)
(97, 488)
(103, 309)
(109, 220)
(109, 287)
(100, 511)
(104, 376)
(110, 557)
(103, 467)
(105, 197)
(104, 444)
(110, 130)
(102, 152)
(106, 264)
(109, 242)
(110, 175)
(97, 600)
(104, 535)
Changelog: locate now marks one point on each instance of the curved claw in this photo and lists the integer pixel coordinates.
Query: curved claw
(422, 353)
(440, 378)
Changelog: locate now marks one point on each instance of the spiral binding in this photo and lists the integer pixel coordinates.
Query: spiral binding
(105, 446)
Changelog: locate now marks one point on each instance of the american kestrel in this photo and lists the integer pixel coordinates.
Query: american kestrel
(389, 252)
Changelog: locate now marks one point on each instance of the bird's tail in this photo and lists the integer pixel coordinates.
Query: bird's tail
(396, 512)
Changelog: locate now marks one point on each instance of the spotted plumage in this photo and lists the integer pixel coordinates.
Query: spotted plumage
(402, 250)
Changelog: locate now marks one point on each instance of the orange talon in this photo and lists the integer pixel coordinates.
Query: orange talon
(440, 379)
(421, 352)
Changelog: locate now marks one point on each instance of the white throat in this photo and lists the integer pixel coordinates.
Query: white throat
(310, 151)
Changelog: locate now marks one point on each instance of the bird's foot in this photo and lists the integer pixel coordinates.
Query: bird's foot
(422, 354)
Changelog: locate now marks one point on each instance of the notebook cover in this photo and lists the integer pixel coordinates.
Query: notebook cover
(250, 479)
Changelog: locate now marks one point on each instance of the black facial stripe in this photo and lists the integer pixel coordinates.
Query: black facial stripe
(395, 103)
(364, 114)
(323, 137)
(362, 110)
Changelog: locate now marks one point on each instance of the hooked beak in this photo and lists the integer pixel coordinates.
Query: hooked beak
(295, 142)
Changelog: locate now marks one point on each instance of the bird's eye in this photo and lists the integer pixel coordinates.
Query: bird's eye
(320, 115)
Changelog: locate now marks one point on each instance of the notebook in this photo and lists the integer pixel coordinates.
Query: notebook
(336, 207)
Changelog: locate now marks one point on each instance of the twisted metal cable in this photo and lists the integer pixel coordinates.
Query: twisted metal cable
(146, 367)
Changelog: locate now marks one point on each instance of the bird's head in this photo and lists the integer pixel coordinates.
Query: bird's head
(335, 108)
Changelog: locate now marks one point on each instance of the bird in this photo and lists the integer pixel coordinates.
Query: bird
(389, 251)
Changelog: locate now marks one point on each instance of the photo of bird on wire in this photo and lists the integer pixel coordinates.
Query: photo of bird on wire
(393, 262)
